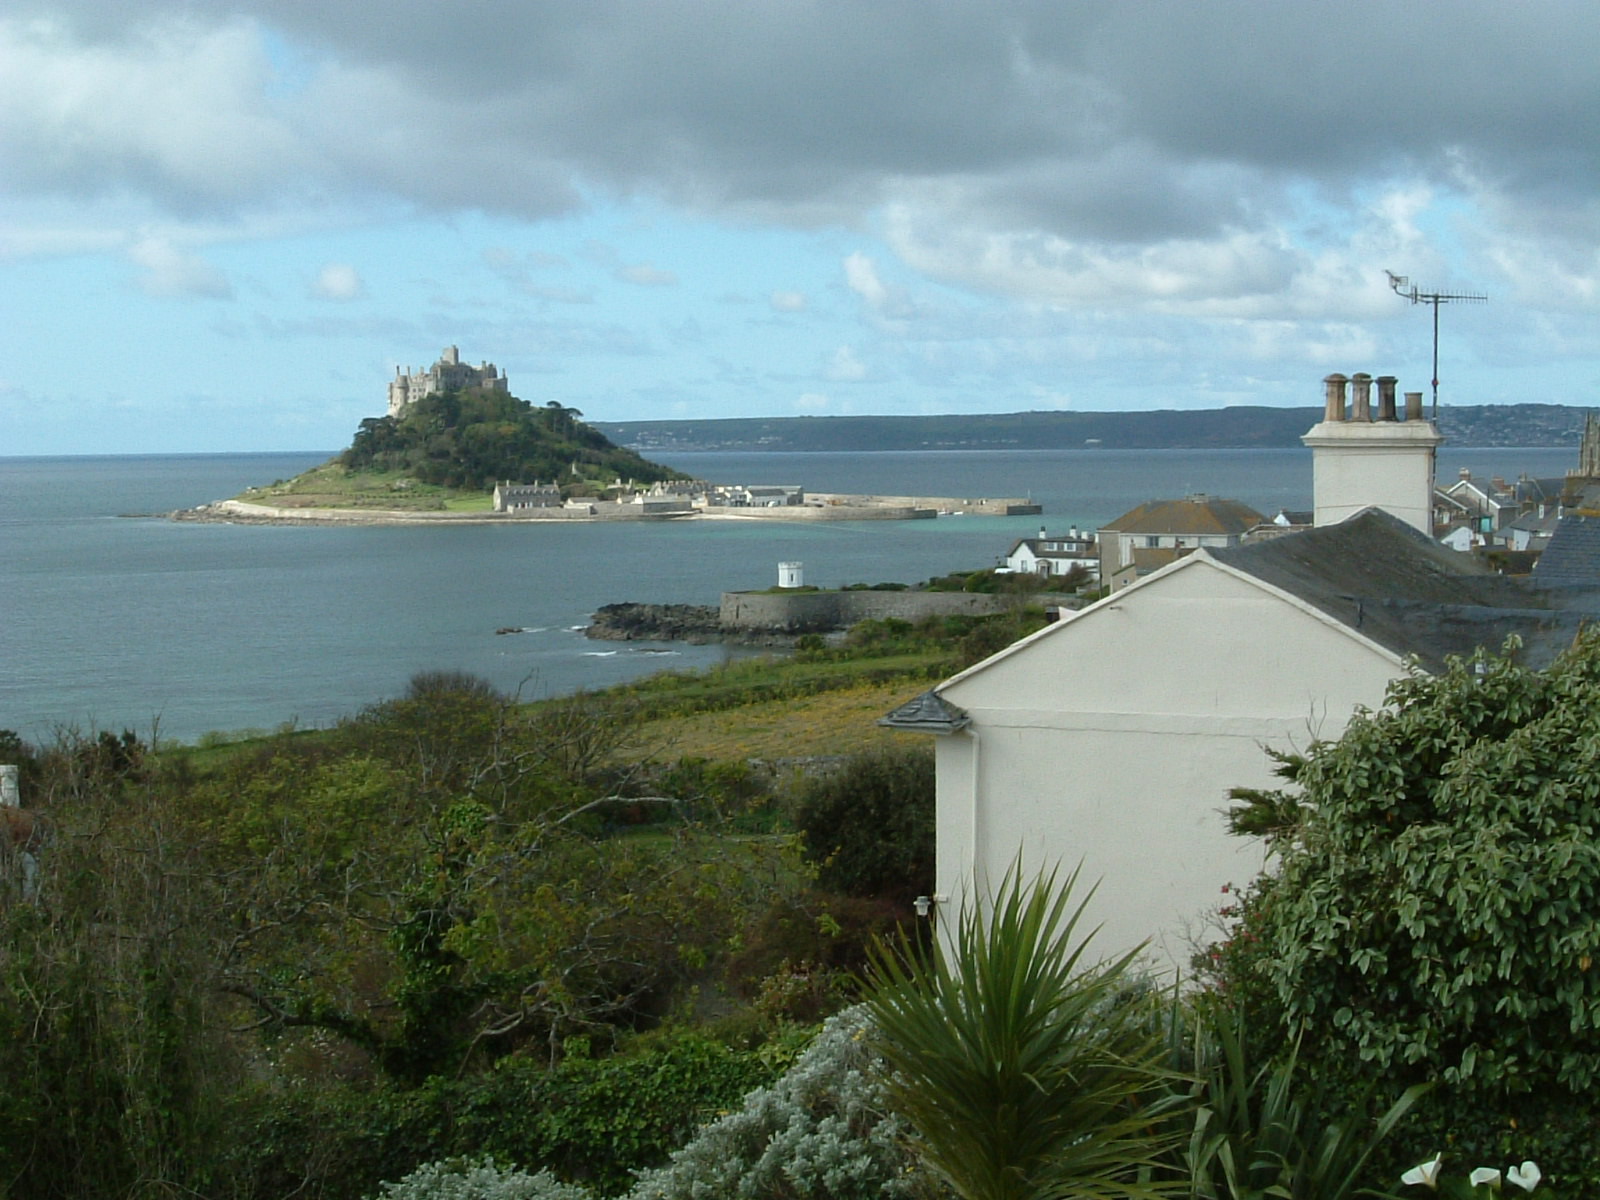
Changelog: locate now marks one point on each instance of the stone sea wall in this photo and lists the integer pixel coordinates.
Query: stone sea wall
(817, 612)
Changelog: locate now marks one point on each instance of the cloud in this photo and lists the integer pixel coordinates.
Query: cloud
(1221, 160)
(167, 271)
(338, 281)
(811, 402)
(646, 275)
(787, 302)
(845, 367)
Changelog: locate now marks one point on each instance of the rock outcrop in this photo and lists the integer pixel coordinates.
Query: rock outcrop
(696, 623)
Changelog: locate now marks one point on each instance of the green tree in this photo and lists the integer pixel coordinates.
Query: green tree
(1028, 1071)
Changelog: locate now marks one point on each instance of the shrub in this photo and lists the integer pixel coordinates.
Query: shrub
(1434, 915)
(870, 824)
(458, 1179)
(820, 1132)
(1436, 908)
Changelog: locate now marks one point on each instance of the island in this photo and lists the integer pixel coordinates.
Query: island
(457, 446)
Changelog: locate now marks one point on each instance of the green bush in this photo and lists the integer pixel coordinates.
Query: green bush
(481, 1179)
(869, 825)
(1435, 914)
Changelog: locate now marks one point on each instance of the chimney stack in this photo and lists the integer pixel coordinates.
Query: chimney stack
(1335, 405)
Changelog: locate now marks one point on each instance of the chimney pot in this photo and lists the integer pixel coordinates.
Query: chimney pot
(1335, 397)
(1386, 385)
(1361, 396)
(1413, 406)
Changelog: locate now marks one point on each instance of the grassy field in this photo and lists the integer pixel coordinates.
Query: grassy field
(764, 708)
(331, 486)
(834, 722)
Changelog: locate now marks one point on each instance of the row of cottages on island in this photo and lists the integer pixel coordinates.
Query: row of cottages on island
(1111, 738)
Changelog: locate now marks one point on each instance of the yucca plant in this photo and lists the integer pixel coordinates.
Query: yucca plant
(1028, 1070)
(1256, 1134)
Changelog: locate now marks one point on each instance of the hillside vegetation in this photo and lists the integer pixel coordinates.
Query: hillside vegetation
(565, 933)
(447, 450)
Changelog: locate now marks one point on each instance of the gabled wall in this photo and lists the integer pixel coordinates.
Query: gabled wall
(1113, 739)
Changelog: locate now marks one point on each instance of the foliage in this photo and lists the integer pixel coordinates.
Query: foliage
(460, 1179)
(475, 438)
(1027, 1071)
(109, 1030)
(1437, 909)
(801, 961)
(821, 1132)
(869, 824)
(593, 1120)
(1258, 1131)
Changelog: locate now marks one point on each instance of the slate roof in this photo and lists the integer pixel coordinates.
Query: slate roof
(1379, 576)
(1573, 556)
(1191, 516)
(926, 713)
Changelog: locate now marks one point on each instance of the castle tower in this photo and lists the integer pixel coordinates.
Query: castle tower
(1364, 460)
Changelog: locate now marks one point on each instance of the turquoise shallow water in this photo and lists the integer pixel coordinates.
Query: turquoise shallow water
(111, 621)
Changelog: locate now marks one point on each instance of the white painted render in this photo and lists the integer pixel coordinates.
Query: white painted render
(1387, 465)
(1113, 737)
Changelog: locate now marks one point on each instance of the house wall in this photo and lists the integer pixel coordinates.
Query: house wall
(1113, 738)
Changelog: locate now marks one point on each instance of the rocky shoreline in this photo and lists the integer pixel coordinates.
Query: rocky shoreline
(697, 624)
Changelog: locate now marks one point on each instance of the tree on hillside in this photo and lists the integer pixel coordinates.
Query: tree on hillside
(477, 437)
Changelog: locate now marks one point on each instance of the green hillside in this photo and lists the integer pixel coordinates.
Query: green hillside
(472, 439)
(448, 450)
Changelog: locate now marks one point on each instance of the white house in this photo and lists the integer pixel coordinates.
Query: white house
(1055, 554)
(1113, 737)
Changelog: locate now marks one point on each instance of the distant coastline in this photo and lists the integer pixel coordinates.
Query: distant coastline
(1241, 428)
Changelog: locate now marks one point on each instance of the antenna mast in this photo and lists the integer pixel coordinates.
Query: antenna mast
(1404, 287)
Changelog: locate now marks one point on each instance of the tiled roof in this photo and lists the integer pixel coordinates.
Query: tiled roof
(1379, 576)
(1191, 516)
(1573, 555)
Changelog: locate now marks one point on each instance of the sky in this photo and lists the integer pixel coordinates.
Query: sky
(224, 224)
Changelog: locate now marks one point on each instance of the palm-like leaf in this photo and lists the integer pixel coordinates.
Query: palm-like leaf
(1025, 1068)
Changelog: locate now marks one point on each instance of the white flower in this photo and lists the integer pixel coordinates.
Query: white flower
(1526, 1176)
(1426, 1173)
(1485, 1175)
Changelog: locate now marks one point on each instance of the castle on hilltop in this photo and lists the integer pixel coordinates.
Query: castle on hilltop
(449, 374)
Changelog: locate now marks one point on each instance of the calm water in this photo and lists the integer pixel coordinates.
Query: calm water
(109, 620)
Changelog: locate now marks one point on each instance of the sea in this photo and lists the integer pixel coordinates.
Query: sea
(114, 617)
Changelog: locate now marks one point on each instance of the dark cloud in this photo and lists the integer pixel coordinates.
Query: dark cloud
(1127, 122)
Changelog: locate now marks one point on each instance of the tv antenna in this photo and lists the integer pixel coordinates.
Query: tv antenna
(1404, 287)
